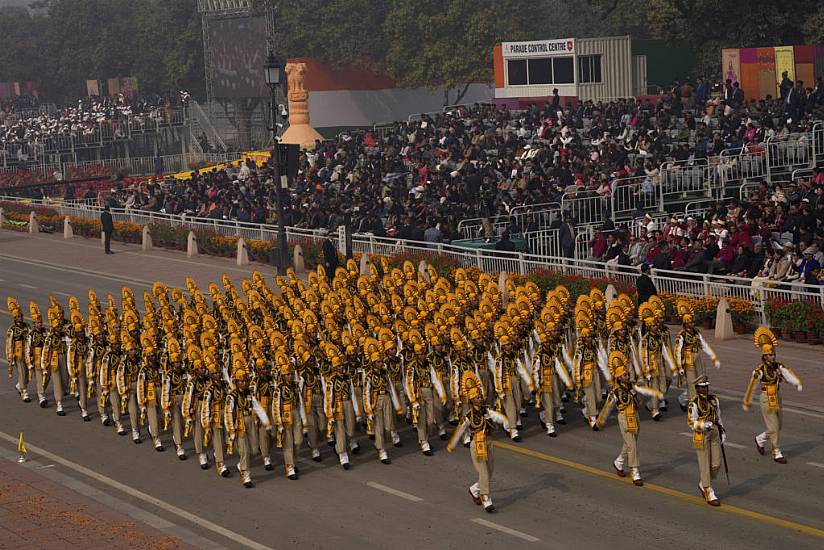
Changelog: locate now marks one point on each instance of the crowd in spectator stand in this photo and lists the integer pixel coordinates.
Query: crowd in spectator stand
(20, 125)
(418, 179)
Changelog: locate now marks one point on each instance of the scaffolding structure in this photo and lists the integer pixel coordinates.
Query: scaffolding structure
(240, 122)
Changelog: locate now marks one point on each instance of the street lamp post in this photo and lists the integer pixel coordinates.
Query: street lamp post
(273, 72)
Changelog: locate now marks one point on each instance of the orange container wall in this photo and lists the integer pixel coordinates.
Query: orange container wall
(749, 73)
(766, 72)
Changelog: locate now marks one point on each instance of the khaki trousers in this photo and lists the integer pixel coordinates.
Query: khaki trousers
(426, 413)
(292, 436)
(511, 409)
(177, 421)
(41, 379)
(197, 431)
(629, 451)
(114, 403)
(132, 406)
(772, 420)
(547, 400)
(382, 412)
(691, 375)
(246, 443)
(152, 416)
(398, 387)
(218, 444)
(657, 382)
(344, 428)
(592, 394)
(709, 458)
(22, 373)
(483, 467)
(315, 421)
(60, 378)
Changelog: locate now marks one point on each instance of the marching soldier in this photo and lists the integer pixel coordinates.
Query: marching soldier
(35, 340)
(688, 347)
(126, 380)
(547, 366)
(479, 421)
(173, 380)
(378, 400)
(239, 422)
(585, 367)
(286, 412)
(339, 405)
(148, 388)
(211, 413)
(708, 434)
(622, 395)
(191, 406)
(311, 395)
(263, 388)
(53, 356)
(769, 373)
(15, 349)
(111, 364)
(423, 386)
(652, 357)
(76, 356)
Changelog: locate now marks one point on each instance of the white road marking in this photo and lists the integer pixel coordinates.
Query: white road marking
(392, 491)
(24, 285)
(804, 413)
(816, 464)
(188, 516)
(66, 294)
(46, 466)
(726, 444)
(507, 530)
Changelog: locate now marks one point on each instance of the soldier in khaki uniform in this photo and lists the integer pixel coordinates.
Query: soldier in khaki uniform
(35, 339)
(769, 373)
(338, 403)
(708, 434)
(15, 349)
(211, 413)
(239, 421)
(479, 420)
(286, 413)
(623, 396)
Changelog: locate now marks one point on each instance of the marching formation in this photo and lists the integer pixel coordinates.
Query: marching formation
(339, 355)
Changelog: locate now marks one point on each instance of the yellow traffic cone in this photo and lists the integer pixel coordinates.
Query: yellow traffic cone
(21, 449)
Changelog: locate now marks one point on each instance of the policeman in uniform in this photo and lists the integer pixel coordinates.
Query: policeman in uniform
(708, 434)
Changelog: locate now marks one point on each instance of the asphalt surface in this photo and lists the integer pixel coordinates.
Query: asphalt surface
(550, 493)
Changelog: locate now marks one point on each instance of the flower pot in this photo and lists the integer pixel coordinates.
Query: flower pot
(799, 337)
(739, 328)
(707, 323)
(786, 334)
(812, 338)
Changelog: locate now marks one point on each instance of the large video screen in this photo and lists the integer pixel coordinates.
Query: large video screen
(237, 54)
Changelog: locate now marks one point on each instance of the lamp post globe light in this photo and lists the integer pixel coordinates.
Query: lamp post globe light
(273, 75)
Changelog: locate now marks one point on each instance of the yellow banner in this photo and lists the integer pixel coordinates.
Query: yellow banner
(258, 156)
(784, 61)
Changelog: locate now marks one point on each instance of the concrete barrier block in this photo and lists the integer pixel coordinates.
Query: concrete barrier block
(364, 264)
(68, 232)
(300, 265)
(102, 240)
(242, 253)
(723, 321)
(191, 245)
(33, 226)
(423, 268)
(147, 239)
(2, 219)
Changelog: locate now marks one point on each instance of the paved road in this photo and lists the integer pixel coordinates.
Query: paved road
(550, 492)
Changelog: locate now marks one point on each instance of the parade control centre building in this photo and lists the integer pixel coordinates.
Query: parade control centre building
(598, 69)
